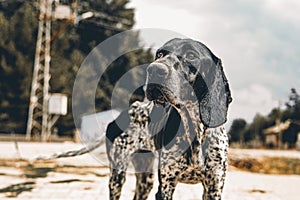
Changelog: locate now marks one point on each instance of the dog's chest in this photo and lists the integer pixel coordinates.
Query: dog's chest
(189, 164)
(186, 162)
(187, 168)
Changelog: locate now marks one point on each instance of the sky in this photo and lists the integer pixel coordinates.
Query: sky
(258, 42)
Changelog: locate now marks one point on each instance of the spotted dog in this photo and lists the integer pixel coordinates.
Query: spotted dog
(183, 123)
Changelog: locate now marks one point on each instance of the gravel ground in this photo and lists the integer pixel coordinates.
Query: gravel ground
(88, 179)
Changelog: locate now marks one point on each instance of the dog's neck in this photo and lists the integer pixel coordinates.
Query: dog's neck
(194, 129)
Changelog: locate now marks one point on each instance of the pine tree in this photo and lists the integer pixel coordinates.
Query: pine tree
(236, 132)
(69, 46)
(293, 105)
(16, 57)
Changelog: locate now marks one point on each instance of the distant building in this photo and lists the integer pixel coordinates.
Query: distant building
(274, 133)
(298, 142)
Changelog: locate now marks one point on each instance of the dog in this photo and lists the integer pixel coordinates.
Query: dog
(182, 122)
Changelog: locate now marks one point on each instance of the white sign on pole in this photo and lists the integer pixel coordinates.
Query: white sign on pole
(58, 104)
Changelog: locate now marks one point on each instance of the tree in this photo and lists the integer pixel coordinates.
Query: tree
(258, 125)
(289, 136)
(254, 131)
(293, 105)
(292, 112)
(18, 27)
(236, 131)
(69, 46)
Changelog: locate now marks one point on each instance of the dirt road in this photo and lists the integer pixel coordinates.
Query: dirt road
(84, 177)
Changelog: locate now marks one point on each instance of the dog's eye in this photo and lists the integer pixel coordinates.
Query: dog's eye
(190, 56)
(159, 55)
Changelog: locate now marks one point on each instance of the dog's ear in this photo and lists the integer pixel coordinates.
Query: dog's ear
(212, 91)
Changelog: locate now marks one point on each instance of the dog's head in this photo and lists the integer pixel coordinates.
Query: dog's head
(185, 70)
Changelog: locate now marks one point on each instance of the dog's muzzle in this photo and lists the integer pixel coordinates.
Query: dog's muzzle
(157, 72)
(156, 76)
(154, 92)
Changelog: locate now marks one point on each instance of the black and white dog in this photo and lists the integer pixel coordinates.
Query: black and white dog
(182, 121)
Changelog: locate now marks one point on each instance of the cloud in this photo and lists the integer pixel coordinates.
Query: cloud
(252, 100)
(154, 15)
(258, 42)
(287, 10)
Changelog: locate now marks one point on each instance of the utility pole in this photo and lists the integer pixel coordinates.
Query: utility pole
(278, 122)
(41, 117)
(37, 124)
(45, 108)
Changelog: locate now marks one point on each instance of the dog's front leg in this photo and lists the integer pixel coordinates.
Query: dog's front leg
(167, 176)
(216, 162)
(116, 181)
(167, 183)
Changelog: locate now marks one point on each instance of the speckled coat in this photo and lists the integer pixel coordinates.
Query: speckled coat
(202, 158)
(183, 124)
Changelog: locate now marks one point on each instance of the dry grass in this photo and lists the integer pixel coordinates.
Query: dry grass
(267, 165)
(40, 169)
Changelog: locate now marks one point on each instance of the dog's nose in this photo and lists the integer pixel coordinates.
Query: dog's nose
(157, 70)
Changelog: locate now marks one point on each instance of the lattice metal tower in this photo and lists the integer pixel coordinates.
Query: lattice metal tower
(37, 124)
(40, 120)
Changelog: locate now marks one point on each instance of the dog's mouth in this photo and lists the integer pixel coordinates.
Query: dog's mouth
(160, 94)
(154, 92)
